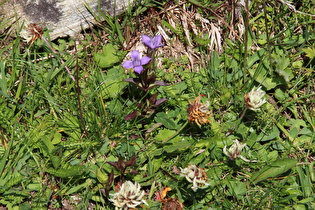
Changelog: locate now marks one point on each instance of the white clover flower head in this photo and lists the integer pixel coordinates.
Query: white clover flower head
(26, 34)
(30, 32)
(197, 176)
(235, 151)
(128, 196)
(255, 98)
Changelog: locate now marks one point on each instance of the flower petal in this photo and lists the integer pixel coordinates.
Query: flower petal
(138, 69)
(147, 41)
(145, 60)
(128, 64)
(157, 41)
(135, 55)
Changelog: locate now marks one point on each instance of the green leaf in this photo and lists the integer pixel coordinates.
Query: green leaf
(101, 177)
(178, 146)
(67, 172)
(164, 134)
(113, 83)
(310, 52)
(78, 187)
(274, 169)
(166, 120)
(25, 206)
(109, 57)
(56, 161)
(281, 67)
(270, 135)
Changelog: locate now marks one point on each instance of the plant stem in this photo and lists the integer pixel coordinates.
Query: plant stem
(54, 51)
(176, 133)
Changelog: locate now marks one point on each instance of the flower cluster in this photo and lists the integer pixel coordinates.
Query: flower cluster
(31, 32)
(235, 151)
(255, 99)
(137, 62)
(128, 196)
(146, 78)
(198, 112)
(195, 175)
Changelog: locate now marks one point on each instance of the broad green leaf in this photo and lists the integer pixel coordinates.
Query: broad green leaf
(156, 152)
(236, 188)
(274, 169)
(306, 200)
(56, 161)
(25, 206)
(109, 57)
(280, 94)
(260, 72)
(269, 135)
(310, 52)
(113, 83)
(164, 134)
(262, 77)
(178, 146)
(101, 177)
(255, 57)
(281, 67)
(166, 120)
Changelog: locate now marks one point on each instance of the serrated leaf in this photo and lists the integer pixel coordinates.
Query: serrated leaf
(274, 169)
(67, 172)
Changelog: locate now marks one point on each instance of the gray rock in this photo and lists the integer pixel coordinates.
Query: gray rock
(61, 17)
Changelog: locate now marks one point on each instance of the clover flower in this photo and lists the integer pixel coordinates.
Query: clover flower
(195, 175)
(31, 32)
(235, 151)
(254, 99)
(152, 42)
(137, 62)
(198, 112)
(128, 196)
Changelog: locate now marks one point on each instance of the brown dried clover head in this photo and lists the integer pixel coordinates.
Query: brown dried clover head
(31, 32)
(198, 112)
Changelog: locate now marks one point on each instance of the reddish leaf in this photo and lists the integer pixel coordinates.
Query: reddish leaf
(132, 115)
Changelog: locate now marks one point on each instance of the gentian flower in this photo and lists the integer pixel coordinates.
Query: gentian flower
(153, 42)
(255, 98)
(137, 62)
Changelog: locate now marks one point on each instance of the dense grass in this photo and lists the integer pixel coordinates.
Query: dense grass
(70, 144)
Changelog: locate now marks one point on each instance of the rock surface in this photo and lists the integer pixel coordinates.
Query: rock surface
(61, 17)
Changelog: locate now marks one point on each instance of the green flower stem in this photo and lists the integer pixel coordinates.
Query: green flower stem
(285, 131)
(176, 133)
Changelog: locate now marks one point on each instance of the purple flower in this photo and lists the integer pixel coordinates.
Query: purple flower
(153, 42)
(137, 62)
